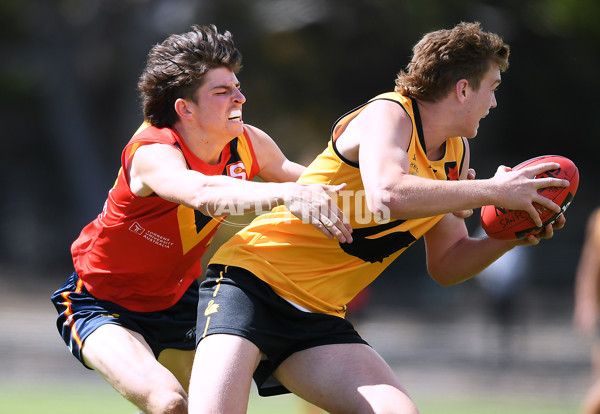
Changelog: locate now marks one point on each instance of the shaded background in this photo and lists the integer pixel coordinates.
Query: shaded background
(69, 104)
(69, 100)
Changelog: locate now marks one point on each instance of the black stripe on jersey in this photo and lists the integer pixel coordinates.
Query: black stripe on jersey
(464, 152)
(201, 220)
(376, 249)
(234, 156)
(418, 123)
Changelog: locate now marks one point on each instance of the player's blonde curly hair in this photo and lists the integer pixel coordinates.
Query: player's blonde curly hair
(176, 68)
(442, 58)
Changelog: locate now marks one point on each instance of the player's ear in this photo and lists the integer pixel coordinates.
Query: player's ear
(182, 109)
(461, 89)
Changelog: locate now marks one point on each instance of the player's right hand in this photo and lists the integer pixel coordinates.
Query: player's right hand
(518, 189)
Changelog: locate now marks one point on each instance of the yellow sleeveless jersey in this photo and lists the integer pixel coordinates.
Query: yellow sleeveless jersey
(320, 274)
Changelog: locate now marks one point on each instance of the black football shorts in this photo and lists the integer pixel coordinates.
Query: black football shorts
(234, 301)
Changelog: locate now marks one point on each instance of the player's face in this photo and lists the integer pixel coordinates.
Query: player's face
(218, 106)
(480, 101)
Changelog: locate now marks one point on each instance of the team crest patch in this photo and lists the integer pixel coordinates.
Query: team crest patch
(237, 170)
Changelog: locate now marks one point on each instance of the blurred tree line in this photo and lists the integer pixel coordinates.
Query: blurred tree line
(69, 101)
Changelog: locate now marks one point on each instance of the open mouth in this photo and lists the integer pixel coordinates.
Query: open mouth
(235, 115)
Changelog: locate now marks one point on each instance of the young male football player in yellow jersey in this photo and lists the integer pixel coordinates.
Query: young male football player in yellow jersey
(274, 300)
(129, 309)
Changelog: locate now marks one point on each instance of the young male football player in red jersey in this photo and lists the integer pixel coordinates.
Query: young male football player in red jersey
(274, 299)
(129, 309)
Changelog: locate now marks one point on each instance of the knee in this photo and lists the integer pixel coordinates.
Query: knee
(168, 403)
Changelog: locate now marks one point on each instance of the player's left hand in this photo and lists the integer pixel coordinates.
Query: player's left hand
(463, 214)
(546, 233)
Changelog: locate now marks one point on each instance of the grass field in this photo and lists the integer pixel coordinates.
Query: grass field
(57, 399)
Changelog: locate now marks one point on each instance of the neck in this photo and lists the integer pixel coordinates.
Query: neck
(437, 127)
(204, 146)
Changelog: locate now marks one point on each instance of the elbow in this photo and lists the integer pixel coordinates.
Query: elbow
(444, 277)
(444, 282)
(212, 203)
(391, 200)
(201, 202)
(382, 204)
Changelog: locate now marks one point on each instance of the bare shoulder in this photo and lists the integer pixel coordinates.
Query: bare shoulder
(258, 137)
(149, 164)
(384, 108)
(153, 152)
(265, 147)
(271, 160)
(382, 124)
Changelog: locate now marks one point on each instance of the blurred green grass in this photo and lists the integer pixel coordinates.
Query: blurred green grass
(60, 398)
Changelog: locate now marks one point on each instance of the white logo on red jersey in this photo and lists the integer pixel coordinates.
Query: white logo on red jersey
(151, 236)
(237, 170)
(136, 228)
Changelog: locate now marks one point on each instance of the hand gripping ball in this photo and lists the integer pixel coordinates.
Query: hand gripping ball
(500, 223)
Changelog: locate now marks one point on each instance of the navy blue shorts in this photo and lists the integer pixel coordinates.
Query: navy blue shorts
(234, 301)
(80, 314)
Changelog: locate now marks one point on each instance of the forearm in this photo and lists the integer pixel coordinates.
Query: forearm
(409, 196)
(413, 197)
(466, 258)
(224, 196)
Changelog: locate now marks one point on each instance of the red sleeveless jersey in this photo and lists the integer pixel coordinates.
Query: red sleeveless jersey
(144, 252)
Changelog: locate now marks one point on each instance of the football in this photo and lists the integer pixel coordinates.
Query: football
(500, 223)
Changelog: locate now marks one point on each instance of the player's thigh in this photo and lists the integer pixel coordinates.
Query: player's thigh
(127, 363)
(179, 362)
(222, 374)
(345, 378)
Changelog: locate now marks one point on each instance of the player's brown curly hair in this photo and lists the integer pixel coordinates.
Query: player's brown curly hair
(176, 68)
(442, 58)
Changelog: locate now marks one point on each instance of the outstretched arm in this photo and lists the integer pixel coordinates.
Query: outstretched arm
(385, 131)
(453, 256)
(161, 169)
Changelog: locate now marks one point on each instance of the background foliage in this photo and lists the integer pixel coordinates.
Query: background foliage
(69, 103)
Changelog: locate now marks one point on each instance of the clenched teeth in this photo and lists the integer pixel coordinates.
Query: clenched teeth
(235, 114)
